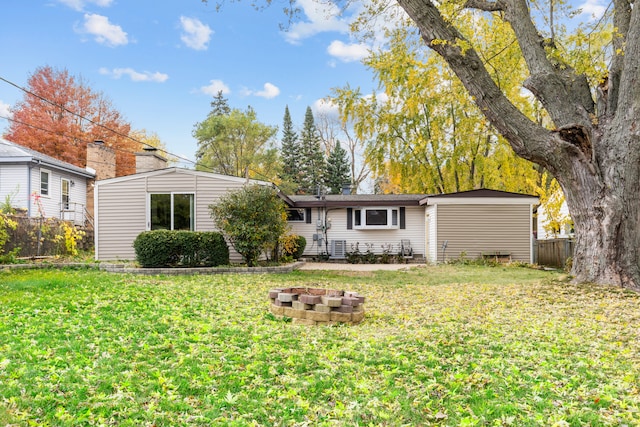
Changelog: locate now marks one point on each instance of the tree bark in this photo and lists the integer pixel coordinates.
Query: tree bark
(594, 151)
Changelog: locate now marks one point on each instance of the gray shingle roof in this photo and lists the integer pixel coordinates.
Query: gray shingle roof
(10, 152)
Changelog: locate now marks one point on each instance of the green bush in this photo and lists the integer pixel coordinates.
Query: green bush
(253, 219)
(293, 246)
(166, 248)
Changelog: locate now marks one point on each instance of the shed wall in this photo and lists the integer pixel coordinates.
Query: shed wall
(472, 230)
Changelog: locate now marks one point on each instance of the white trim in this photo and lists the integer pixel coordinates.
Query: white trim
(171, 194)
(363, 218)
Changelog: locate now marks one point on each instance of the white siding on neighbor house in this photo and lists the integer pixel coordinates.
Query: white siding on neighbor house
(52, 203)
(376, 240)
(14, 185)
(474, 229)
(122, 206)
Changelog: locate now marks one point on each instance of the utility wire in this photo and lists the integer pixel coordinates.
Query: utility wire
(87, 119)
(100, 125)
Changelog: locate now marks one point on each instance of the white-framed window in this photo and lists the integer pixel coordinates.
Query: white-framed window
(296, 215)
(375, 218)
(65, 192)
(172, 211)
(45, 176)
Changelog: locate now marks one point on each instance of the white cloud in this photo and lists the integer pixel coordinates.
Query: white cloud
(593, 9)
(348, 52)
(324, 107)
(214, 87)
(5, 110)
(322, 17)
(269, 91)
(136, 76)
(104, 31)
(79, 4)
(196, 35)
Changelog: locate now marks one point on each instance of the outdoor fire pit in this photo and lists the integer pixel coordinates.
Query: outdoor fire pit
(317, 306)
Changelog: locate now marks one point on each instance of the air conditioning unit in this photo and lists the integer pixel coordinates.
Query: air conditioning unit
(338, 249)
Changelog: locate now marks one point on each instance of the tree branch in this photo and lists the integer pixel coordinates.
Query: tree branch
(528, 140)
(552, 83)
(485, 5)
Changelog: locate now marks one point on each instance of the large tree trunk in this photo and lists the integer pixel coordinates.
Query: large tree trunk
(594, 151)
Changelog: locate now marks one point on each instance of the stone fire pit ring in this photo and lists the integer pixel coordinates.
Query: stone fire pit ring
(317, 306)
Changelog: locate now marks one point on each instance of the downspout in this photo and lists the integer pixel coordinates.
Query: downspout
(29, 168)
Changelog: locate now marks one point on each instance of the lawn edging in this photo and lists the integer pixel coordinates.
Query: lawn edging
(128, 268)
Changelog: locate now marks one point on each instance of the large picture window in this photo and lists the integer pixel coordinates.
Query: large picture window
(171, 211)
(375, 218)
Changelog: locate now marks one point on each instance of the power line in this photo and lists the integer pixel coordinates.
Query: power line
(81, 117)
(88, 119)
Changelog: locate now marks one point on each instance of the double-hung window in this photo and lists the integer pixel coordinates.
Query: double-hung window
(44, 182)
(171, 211)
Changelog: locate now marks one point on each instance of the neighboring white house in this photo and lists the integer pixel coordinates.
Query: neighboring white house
(41, 185)
(558, 227)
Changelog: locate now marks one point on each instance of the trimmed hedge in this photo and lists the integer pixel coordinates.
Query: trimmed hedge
(167, 248)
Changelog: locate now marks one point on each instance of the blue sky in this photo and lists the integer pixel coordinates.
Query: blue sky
(161, 62)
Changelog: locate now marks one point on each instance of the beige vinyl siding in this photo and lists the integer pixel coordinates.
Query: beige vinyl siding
(301, 228)
(379, 239)
(122, 206)
(479, 228)
(120, 217)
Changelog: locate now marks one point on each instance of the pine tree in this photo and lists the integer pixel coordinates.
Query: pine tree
(337, 174)
(220, 105)
(312, 163)
(290, 155)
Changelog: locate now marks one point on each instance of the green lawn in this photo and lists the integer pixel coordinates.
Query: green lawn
(447, 345)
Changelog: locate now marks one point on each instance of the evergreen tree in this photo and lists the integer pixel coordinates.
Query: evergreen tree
(312, 164)
(337, 173)
(290, 155)
(220, 105)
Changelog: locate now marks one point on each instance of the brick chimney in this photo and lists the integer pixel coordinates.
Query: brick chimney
(102, 160)
(149, 160)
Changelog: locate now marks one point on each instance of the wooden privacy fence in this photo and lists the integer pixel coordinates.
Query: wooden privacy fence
(553, 252)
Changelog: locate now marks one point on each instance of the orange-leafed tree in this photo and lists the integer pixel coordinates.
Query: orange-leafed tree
(60, 114)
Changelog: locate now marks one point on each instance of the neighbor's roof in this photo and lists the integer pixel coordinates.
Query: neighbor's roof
(10, 152)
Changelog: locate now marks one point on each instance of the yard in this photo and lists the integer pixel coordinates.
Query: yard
(446, 345)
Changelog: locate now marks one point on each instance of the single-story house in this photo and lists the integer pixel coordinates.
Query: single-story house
(41, 185)
(473, 224)
(469, 224)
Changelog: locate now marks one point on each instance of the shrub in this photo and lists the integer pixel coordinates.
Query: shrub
(293, 246)
(252, 218)
(167, 248)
